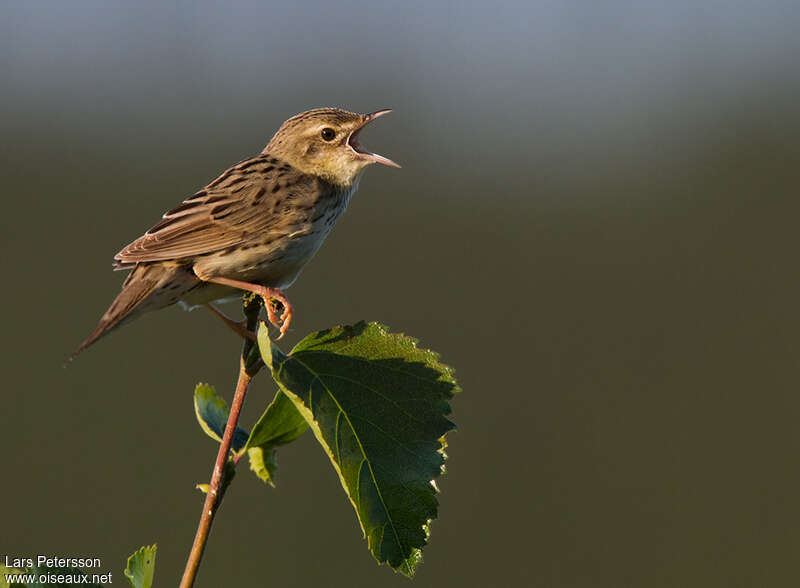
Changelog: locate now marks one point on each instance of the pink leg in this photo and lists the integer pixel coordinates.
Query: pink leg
(268, 294)
(236, 327)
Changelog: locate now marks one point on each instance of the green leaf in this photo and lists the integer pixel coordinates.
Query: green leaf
(377, 405)
(212, 414)
(280, 424)
(141, 565)
(6, 570)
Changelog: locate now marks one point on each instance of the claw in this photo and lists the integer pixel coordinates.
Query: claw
(286, 319)
(286, 315)
(273, 318)
(268, 295)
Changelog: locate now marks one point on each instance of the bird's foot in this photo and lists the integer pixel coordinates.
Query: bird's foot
(271, 296)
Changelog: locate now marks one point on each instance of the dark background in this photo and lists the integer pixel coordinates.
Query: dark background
(595, 224)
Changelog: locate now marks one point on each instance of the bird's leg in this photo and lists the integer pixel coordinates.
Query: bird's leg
(268, 294)
(237, 327)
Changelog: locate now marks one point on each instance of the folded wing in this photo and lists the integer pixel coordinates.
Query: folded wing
(243, 203)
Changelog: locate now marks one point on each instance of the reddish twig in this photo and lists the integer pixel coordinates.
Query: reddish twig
(216, 488)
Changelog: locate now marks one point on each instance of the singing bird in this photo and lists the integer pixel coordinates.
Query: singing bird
(253, 228)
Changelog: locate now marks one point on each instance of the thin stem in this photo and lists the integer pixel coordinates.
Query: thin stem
(247, 369)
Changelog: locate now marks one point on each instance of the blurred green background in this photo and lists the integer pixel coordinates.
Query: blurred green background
(595, 224)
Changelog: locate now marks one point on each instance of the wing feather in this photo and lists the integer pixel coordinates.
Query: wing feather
(238, 206)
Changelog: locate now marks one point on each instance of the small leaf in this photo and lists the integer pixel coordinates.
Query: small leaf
(377, 405)
(212, 414)
(280, 424)
(4, 571)
(141, 565)
(204, 488)
(264, 463)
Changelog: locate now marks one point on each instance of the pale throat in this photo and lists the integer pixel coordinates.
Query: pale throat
(346, 173)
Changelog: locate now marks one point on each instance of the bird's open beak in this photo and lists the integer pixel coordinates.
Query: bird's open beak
(353, 140)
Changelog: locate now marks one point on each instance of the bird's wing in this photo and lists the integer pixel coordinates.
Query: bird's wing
(241, 204)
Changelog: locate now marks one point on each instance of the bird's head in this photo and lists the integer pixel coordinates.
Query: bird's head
(324, 142)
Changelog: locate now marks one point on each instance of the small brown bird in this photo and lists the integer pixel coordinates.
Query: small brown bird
(253, 228)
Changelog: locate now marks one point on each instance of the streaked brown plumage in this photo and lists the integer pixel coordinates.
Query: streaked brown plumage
(252, 228)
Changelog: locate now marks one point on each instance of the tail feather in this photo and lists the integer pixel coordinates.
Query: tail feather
(140, 284)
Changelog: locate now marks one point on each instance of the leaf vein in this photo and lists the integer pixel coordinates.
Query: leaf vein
(378, 392)
(363, 452)
(384, 367)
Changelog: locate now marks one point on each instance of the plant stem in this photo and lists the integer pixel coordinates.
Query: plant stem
(252, 306)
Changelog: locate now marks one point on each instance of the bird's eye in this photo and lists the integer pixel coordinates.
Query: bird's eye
(328, 134)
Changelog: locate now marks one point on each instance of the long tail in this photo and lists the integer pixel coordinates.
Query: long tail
(135, 299)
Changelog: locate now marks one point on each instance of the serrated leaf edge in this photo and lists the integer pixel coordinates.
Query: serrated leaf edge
(429, 358)
(129, 573)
